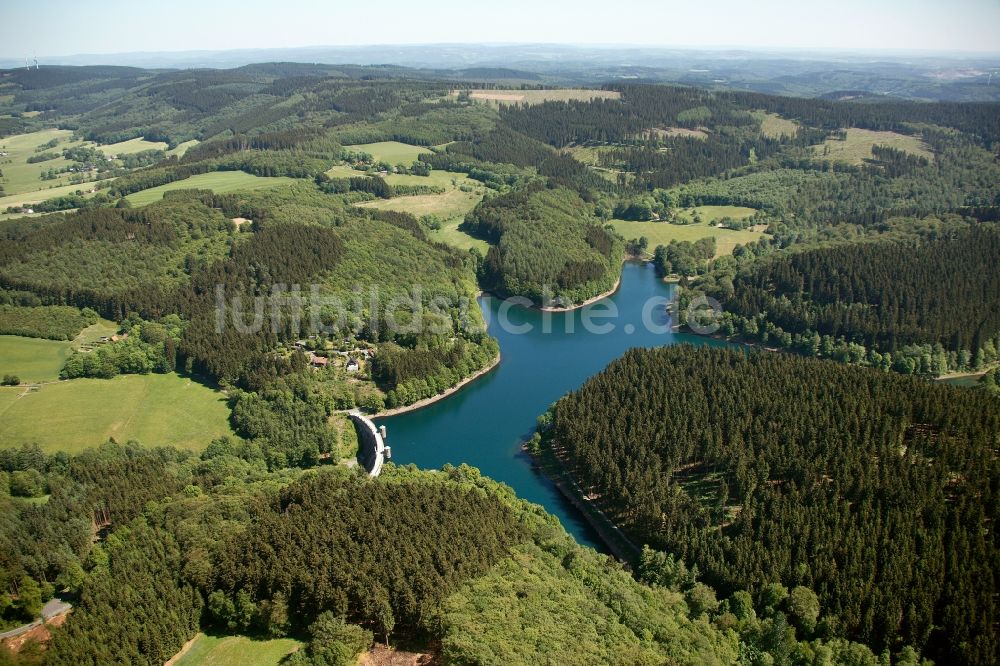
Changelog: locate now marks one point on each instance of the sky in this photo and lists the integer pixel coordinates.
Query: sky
(67, 27)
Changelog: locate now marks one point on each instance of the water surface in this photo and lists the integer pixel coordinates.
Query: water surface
(485, 423)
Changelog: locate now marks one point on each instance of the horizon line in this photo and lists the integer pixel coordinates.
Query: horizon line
(804, 50)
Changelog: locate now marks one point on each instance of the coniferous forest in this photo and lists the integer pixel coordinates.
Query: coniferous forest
(872, 490)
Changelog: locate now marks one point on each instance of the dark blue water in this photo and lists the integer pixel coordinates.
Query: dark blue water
(485, 423)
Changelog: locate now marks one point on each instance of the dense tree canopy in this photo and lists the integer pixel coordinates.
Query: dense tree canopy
(872, 490)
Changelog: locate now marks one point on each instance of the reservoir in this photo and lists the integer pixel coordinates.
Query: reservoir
(485, 423)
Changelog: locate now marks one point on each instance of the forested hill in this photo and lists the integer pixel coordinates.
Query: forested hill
(545, 239)
(875, 491)
(920, 298)
(158, 544)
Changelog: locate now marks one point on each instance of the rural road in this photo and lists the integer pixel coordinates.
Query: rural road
(51, 609)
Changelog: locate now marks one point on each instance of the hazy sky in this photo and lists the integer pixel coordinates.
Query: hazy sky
(64, 27)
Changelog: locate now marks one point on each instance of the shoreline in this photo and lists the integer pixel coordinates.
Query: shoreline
(589, 301)
(548, 464)
(419, 404)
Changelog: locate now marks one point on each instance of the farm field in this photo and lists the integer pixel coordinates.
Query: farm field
(33, 359)
(219, 182)
(156, 410)
(392, 152)
(498, 97)
(132, 146)
(237, 651)
(857, 147)
(19, 176)
(774, 126)
(37, 196)
(661, 233)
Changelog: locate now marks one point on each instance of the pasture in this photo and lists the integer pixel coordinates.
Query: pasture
(237, 651)
(156, 410)
(451, 206)
(132, 146)
(20, 177)
(857, 147)
(391, 152)
(28, 198)
(661, 233)
(33, 359)
(498, 97)
(219, 182)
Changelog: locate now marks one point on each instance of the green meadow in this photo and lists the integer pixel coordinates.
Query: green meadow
(237, 651)
(131, 146)
(167, 410)
(857, 146)
(661, 233)
(450, 207)
(219, 182)
(33, 359)
(392, 152)
(20, 177)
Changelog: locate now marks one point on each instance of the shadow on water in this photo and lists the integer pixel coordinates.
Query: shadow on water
(484, 424)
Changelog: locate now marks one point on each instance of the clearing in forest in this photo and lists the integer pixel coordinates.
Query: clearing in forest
(497, 97)
(661, 233)
(856, 148)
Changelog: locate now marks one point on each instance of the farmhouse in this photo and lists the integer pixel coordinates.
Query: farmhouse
(319, 361)
(353, 365)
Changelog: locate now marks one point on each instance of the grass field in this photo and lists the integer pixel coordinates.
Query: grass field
(155, 410)
(497, 97)
(392, 152)
(343, 171)
(774, 126)
(237, 651)
(36, 196)
(19, 177)
(219, 182)
(132, 146)
(451, 206)
(94, 332)
(450, 234)
(182, 148)
(661, 233)
(857, 147)
(33, 359)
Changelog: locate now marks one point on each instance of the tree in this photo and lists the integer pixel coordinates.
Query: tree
(27, 483)
(803, 605)
(701, 599)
